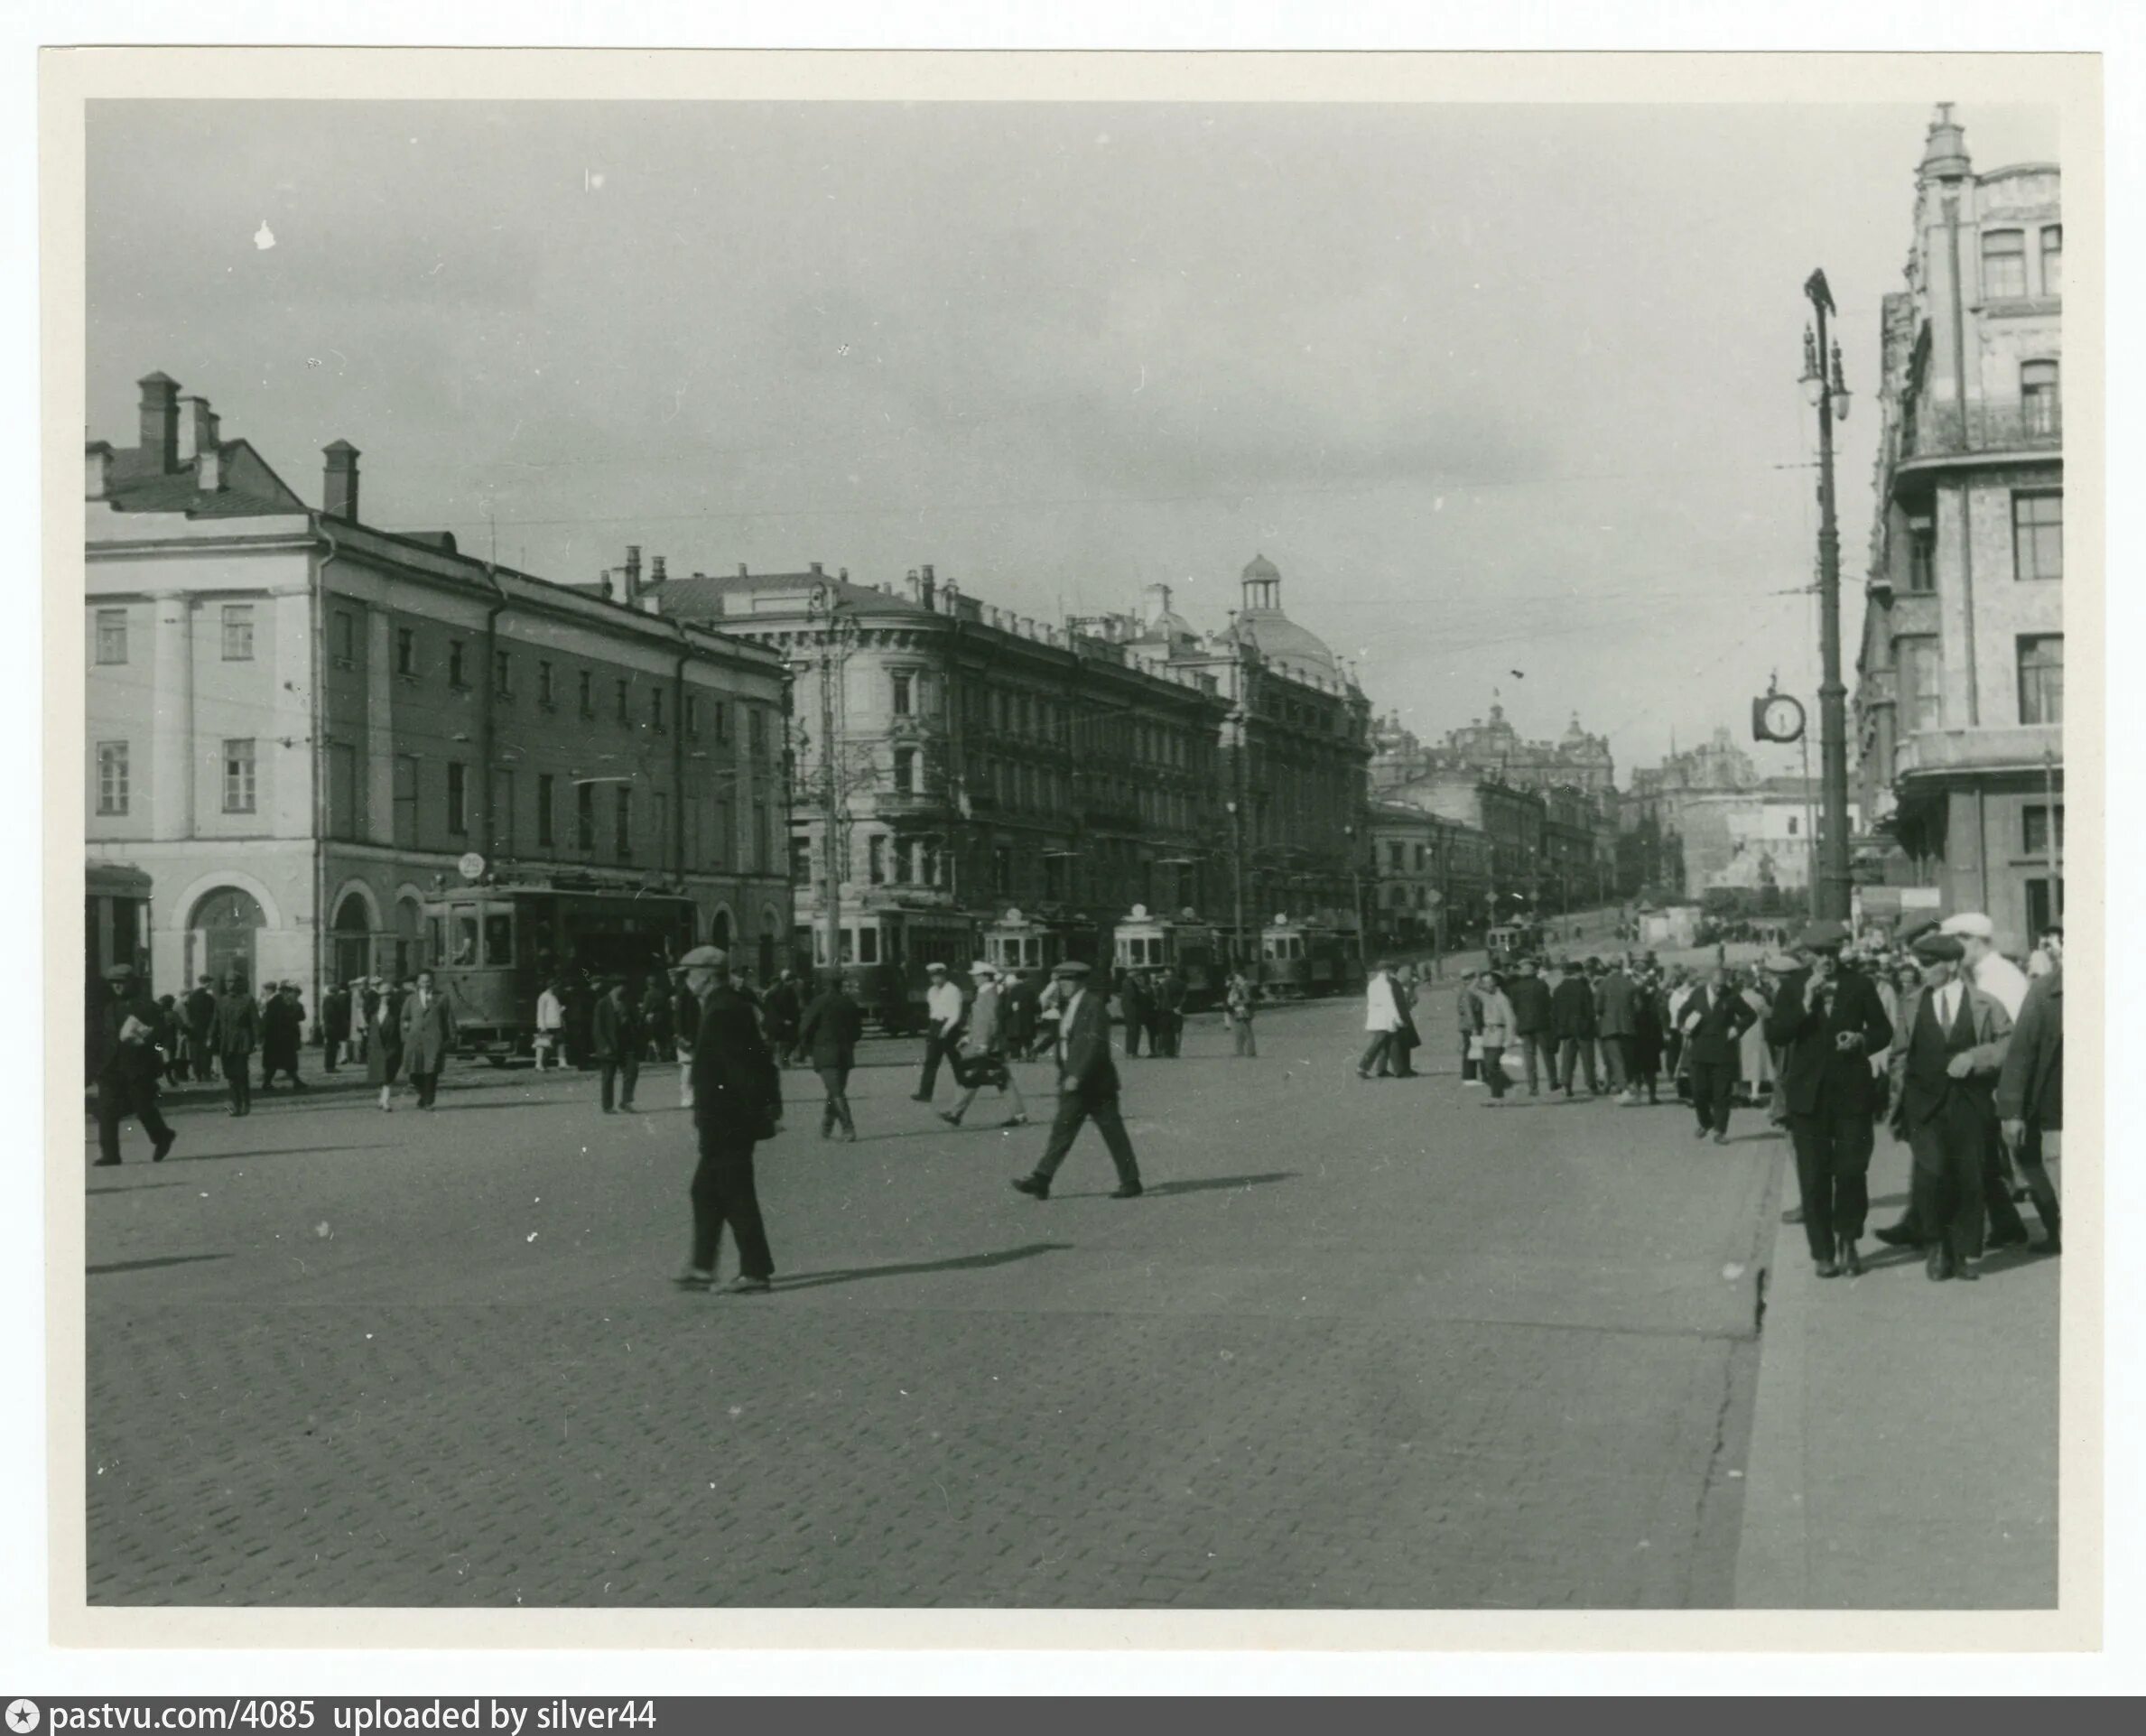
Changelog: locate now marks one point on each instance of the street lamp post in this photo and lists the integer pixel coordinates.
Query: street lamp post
(1828, 392)
(1356, 896)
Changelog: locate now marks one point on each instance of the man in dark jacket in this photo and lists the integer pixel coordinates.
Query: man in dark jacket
(1827, 1023)
(828, 1033)
(125, 1063)
(1572, 1022)
(200, 1030)
(2030, 1097)
(737, 1101)
(1169, 1014)
(335, 1024)
(784, 1008)
(1713, 1022)
(1136, 1008)
(1020, 1010)
(617, 1035)
(237, 1033)
(1087, 1089)
(1533, 1025)
(1615, 1027)
(282, 1034)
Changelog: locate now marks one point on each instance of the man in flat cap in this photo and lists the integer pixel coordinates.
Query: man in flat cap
(737, 1101)
(943, 1012)
(1825, 1022)
(1087, 1089)
(1998, 977)
(1945, 1074)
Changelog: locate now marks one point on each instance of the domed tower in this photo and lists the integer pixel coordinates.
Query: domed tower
(1261, 623)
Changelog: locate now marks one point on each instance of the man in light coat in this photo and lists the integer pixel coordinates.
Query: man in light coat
(1382, 1018)
(1616, 1026)
(429, 1036)
(943, 1013)
(551, 1021)
(983, 1056)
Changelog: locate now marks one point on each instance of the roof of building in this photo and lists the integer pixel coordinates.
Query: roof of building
(703, 597)
(252, 489)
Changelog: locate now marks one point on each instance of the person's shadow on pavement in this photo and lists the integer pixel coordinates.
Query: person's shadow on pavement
(959, 1262)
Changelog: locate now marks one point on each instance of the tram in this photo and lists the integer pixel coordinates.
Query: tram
(492, 949)
(115, 923)
(1300, 959)
(884, 953)
(1020, 944)
(1184, 944)
(1510, 941)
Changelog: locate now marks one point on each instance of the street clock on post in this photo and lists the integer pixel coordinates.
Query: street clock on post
(1777, 717)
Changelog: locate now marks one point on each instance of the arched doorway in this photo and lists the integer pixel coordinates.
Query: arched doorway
(719, 929)
(353, 939)
(220, 935)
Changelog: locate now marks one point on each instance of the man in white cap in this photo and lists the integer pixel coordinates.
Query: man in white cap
(944, 1010)
(737, 1101)
(1087, 1087)
(983, 1057)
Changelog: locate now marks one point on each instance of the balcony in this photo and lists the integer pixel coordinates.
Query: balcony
(2013, 748)
(2016, 425)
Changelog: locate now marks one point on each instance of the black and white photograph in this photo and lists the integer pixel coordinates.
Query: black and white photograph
(963, 848)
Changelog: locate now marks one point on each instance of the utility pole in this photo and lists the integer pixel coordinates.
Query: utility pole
(1822, 368)
(832, 840)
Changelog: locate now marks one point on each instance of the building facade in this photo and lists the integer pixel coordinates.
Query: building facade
(1960, 692)
(299, 725)
(1510, 820)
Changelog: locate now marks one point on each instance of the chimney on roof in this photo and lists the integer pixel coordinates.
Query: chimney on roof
(631, 590)
(817, 573)
(842, 573)
(197, 429)
(339, 482)
(655, 572)
(159, 422)
(926, 588)
(96, 481)
(742, 573)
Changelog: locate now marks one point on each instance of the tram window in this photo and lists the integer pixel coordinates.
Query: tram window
(465, 938)
(498, 937)
(436, 940)
(868, 946)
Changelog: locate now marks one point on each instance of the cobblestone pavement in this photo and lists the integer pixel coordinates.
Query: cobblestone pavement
(1362, 1345)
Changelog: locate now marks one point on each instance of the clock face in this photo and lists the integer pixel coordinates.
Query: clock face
(1784, 719)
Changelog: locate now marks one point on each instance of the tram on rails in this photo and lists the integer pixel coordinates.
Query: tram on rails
(492, 949)
(1021, 944)
(1184, 944)
(1299, 959)
(115, 923)
(884, 953)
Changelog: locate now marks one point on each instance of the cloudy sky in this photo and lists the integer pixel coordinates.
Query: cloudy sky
(1498, 388)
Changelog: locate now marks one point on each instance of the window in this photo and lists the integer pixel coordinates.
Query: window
(1922, 556)
(547, 790)
(501, 835)
(875, 855)
(663, 828)
(239, 775)
(692, 714)
(2034, 830)
(2039, 408)
(904, 695)
(406, 801)
(502, 674)
(722, 720)
(343, 639)
(238, 633)
(2052, 260)
(455, 677)
(1922, 689)
(763, 840)
(904, 770)
(342, 790)
(111, 636)
(406, 652)
(1792, 825)
(2037, 535)
(2004, 264)
(111, 777)
(547, 693)
(622, 699)
(2043, 912)
(1002, 869)
(499, 936)
(587, 691)
(1397, 857)
(724, 842)
(757, 732)
(801, 859)
(585, 816)
(458, 797)
(622, 823)
(656, 709)
(2042, 678)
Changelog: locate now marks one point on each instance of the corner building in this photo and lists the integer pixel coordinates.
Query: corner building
(1960, 694)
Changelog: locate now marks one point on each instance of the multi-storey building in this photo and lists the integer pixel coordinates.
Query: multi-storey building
(1429, 882)
(1960, 699)
(969, 761)
(1509, 819)
(300, 725)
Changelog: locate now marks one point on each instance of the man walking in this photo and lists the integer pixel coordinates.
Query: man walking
(1825, 1022)
(1137, 1010)
(282, 1031)
(1169, 1012)
(737, 1101)
(943, 1012)
(1616, 1026)
(1237, 1000)
(200, 1029)
(1087, 1090)
(551, 1026)
(983, 1057)
(125, 1063)
(335, 1024)
(428, 1035)
(617, 1033)
(1572, 1021)
(2031, 1096)
(1468, 1015)
(784, 1007)
(1017, 1008)
(1532, 1023)
(2004, 982)
(827, 1035)
(1946, 1074)
(1382, 1018)
(238, 1034)
(1715, 1019)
